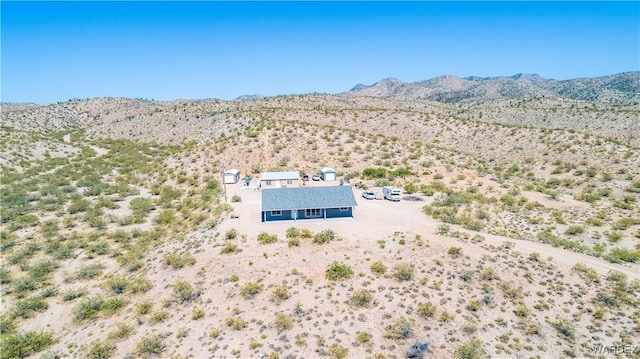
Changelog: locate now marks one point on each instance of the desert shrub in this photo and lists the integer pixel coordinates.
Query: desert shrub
(236, 198)
(197, 313)
(361, 298)
(87, 309)
(378, 268)
(565, 327)
(283, 322)
(177, 261)
(236, 323)
(293, 232)
(113, 305)
(338, 271)
(159, 316)
(402, 328)
(140, 206)
(374, 173)
(266, 238)
(404, 272)
(573, 230)
(229, 248)
(117, 284)
(139, 285)
(101, 350)
(143, 307)
(619, 255)
(150, 345)
(86, 272)
(251, 289)
(24, 344)
(470, 350)
(183, 291)
(324, 236)
(338, 352)
(426, 310)
(294, 242)
(73, 293)
(281, 293)
(231, 234)
(121, 331)
(26, 308)
(455, 252)
(363, 337)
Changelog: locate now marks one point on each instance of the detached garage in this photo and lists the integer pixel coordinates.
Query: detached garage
(231, 176)
(299, 203)
(328, 174)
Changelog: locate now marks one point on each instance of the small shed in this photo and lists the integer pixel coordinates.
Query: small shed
(328, 174)
(231, 176)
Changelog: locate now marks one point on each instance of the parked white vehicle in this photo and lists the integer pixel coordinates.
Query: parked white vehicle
(391, 193)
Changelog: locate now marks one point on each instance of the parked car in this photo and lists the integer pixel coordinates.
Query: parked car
(305, 177)
(369, 195)
(316, 177)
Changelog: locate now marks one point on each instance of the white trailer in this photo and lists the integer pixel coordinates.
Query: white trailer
(391, 193)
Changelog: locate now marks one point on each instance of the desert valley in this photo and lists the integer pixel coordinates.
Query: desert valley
(517, 233)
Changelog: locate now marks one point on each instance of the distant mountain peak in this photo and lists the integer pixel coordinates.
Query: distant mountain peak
(618, 88)
(248, 97)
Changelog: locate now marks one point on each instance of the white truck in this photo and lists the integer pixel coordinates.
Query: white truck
(391, 193)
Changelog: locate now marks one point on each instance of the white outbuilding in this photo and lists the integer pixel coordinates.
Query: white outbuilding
(328, 174)
(231, 176)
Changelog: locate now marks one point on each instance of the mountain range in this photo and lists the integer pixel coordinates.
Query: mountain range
(618, 88)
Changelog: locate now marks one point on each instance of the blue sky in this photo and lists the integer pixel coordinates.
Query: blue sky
(54, 51)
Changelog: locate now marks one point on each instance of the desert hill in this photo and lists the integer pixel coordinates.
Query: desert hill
(619, 88)
(518, 234)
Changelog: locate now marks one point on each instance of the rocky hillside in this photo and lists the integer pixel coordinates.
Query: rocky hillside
(619, 88)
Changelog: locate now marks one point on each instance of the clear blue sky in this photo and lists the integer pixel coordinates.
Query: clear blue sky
(54, 51)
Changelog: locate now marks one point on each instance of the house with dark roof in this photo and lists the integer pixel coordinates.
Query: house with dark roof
(299, 203)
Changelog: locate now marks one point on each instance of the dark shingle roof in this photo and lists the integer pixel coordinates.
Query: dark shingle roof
(279, 199)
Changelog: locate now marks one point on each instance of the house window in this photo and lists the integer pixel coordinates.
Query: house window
(268, 182)
(289, 181)
(276, 213)
(344, 209)
(313, 212)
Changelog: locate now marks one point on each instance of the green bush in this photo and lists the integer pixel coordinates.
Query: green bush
(619, 255)
(293, 232)
(470, 350)
(101, 350)
(455, 252)
(361, 298)
(378, 268)
(26, 308)
(426, 310)
(24, 344)
(229, 248)
(324, 237)
(402, 328)
(266, 238)
(281, 293)
(150, 345)
(251, 289)
(235, 198)
(338, 271)
(283, 322)
(573, 230)
(404, 272)
(184, 292)
(374, 173)
(565, 327)
(338, 352)
(236, 323)
(177, 261)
